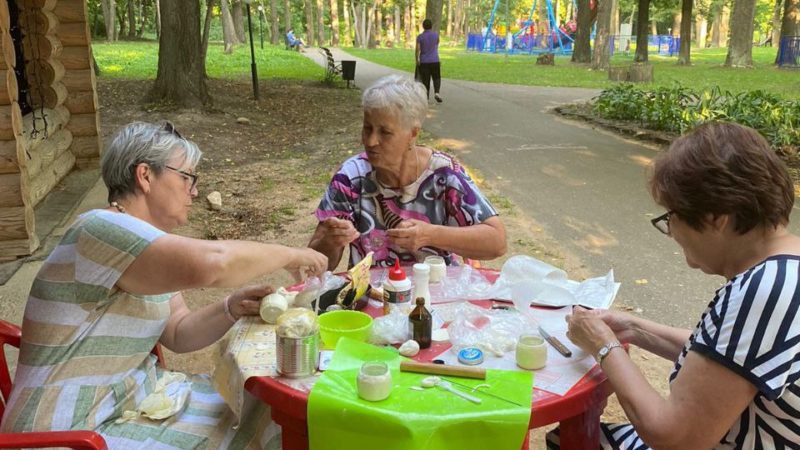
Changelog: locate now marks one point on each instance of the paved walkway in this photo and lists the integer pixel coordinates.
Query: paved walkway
(586, 187)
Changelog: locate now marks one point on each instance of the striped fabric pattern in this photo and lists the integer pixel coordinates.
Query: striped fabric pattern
(85, 353)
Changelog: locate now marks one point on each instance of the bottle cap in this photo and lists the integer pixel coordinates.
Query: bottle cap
(422, 269)
(397, 273)
(470, 356)
(420, 301)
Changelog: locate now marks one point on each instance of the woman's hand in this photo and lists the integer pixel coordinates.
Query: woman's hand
(307, 262)
(338, 233)
(592, 329)
(410, 235)
(247, 300)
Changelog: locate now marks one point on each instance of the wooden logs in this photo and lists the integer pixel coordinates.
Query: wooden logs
(75, 58)
(11, 187)
(5, 18)
(73, 34)
(47, 5)
(43, 183)
(81, 102)
(85, 147)
(12, 248)
(10, 122)
(9, 92)
(83, 125)
(9, 54)
(641, 73)
(46, 151)
(15, 222)
(78, 80)
(70, 11)
(49, 96)
(41, 46)
(44, 72)
(38, 21)
(8, 157)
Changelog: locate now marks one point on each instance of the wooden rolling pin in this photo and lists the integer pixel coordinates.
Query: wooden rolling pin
(440, 369)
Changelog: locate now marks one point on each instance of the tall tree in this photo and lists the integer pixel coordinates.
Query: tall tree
(347, 37)
(131, 19)
(433, 11)
(207, 29)
(274, 20)
(334, 23)
(642, 21)
(602, 52)
(228, 32)
(582, 52)
(685, 52)
(321, 22)
(109, 8)
(790, 25)
(181, 75)
(740, 52)
(287, 16)
(309, 9)
(719, 26)
(777, 12)
(237, 13)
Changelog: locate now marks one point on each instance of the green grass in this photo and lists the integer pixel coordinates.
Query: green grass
(706, 70)
(139, 60)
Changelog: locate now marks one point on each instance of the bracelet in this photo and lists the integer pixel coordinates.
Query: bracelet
(227, 308)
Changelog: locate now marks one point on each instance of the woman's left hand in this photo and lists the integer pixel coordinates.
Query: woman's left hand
(409, 235)
(247, 300)
(587, 329)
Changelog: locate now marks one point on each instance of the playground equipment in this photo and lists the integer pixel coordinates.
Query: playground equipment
(789, 53)
(556, 40)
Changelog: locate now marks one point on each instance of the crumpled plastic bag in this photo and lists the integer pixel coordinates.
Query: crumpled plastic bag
(495, 331)
(297, 323)
(317, 287)
(391, 328)
(169, 398)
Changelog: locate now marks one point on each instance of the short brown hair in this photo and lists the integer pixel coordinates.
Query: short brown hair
(723, 168)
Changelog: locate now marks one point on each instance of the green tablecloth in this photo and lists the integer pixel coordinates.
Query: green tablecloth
(431, 419)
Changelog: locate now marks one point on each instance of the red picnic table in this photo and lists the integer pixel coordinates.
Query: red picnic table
(578, 411)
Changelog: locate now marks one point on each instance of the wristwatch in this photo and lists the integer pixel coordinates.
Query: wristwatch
(605, 350)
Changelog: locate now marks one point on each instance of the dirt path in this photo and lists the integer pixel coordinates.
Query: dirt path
(272, 170)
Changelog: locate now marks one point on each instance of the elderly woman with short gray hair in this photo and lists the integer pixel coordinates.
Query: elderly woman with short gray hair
(111, 290)
(400, 200)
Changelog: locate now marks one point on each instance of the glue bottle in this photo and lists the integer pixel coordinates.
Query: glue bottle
(397, 289)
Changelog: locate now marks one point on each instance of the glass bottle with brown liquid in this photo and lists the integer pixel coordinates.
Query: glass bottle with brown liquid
(421, 323)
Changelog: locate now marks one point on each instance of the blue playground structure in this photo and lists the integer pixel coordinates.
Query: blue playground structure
(524, 41)
(789, 52)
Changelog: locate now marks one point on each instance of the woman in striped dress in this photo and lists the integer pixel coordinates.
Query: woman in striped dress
(736, 380)
(111, 290)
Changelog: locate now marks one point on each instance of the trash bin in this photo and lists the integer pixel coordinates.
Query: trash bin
(348, 71)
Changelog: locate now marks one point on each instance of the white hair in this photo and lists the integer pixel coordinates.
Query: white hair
(140, 142)
(400, 95)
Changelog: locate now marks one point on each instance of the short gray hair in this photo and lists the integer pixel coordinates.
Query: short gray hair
(141, 142)
(399, 94)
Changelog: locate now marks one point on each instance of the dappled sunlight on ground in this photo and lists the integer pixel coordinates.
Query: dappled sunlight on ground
(641, 160)
(561, 173)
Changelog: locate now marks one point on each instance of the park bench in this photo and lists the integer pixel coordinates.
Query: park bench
(332, 69)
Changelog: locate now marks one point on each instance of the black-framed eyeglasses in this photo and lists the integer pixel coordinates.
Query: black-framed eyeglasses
(187, 176)
(662, 222)
(170, 128)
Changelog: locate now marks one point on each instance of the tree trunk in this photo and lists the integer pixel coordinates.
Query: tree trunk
(131, 19)
(676, 24)
(642, 21)
(143, 13)
(790, 26)
(685, 52)
(716, 17)
(158, 18)
(543, 25)
(228, 32)
(321, 22)
(109, 18)
(412, 4)
(740, 52)
(458, 17)
(347, 38)
(407, 31)
(653, 29)
(309, 8)
(396, 24)
(207, 29)
(334, 23)
(377, 32)
(602, 52)
(700, 34)
(181, 75)
(355, 11)
(373, 34)
(449, 27)
(287, 16)
(120, 31)
(433, 11)
(582, 51)
(274, 20)
(776, 22)
(614, 17)
(237, 12)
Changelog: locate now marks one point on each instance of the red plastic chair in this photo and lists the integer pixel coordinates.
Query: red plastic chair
(81, 440)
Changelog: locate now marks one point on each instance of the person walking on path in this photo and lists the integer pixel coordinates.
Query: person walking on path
(427, 55)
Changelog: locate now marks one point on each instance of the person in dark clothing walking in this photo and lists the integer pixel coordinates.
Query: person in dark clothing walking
(427, 55)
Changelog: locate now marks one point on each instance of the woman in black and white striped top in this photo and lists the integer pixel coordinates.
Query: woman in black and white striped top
(736, 381)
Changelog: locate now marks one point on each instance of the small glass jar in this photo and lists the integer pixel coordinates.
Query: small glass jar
(374, 381)
(438, 268)
(531, 352)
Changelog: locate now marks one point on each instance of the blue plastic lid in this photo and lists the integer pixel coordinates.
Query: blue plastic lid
(470, 356)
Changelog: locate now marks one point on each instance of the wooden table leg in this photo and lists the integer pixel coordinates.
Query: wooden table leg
(294, 433)
(582, 432)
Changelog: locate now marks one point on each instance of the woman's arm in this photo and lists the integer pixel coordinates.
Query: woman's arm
(173, 263)
(330, 238)
(656, 338)
(417, 51)
(189, 331)
(486, 240)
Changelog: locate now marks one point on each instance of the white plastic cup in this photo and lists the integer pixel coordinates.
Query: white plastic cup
(531, 352)
(374, 381)
(272, 306)
(438, 268)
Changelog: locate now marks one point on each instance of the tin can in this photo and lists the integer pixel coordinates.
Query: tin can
(297, 357)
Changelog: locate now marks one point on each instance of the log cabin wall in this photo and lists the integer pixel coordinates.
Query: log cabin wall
(48, 110)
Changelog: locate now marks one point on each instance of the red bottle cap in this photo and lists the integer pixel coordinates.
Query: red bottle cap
(397, 273)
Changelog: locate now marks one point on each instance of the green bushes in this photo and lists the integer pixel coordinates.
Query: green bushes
(678, 109)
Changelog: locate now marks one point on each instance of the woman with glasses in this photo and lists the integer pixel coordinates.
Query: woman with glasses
(401, 200)
(111, 290)
(736, 379)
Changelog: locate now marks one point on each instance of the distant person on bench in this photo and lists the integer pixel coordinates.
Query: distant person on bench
(293, 42)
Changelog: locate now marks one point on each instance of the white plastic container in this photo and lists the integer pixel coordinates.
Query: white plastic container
(422, 273)
(438, 268)
(531, 352)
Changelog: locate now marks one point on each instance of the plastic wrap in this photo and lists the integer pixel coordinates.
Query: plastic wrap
(297, 323)
(391, 328)
(493, 331)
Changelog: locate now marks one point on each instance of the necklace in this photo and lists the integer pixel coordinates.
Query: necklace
(119, 207)
(416, 172)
